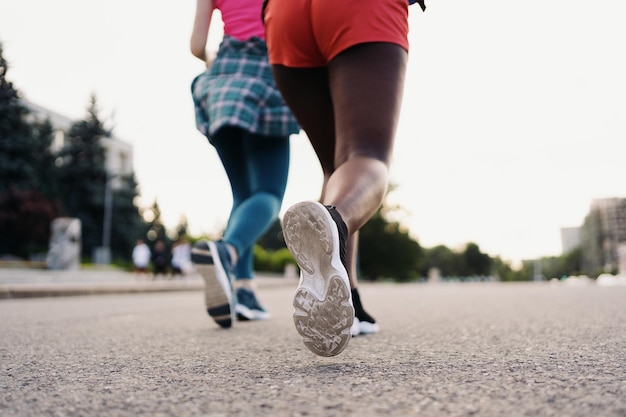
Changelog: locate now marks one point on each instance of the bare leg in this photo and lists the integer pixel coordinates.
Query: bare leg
(350, 112)
(352, 250)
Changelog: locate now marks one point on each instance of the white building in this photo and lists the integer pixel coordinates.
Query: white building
(119, 154)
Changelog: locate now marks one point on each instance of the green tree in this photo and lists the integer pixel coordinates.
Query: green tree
(182, 228)
(475, 263)
(27, 174)
(26, 161)
(503, 271)
(565, 265)
(444, 259)
(155, 228)
(273, 238)
(83, 176)
(25, 217)
(386, 250)
(126, 222)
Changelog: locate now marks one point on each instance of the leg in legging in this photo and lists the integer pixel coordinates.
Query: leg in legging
(257, 168)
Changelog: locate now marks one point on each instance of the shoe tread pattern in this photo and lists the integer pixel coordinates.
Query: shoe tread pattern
(323, 312)
(217, 302)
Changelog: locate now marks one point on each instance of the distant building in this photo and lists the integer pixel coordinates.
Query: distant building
(570, 238)
(603, 236)
(119, 154)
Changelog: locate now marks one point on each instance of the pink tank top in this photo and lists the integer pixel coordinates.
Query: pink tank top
(242, 18)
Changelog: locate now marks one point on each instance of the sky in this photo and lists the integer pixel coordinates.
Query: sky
(513, 119)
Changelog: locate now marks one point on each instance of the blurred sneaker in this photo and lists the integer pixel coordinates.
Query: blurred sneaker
(248, 307)
(355, 329)
(363, 322)
(212, 261)
(360, 328)
(316, 236)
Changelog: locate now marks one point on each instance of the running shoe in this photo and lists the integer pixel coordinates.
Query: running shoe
(363, 327)
(212, 261)
(248, 307)
(323, 313)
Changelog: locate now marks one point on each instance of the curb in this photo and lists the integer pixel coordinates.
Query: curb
(34, 284)
(73, 289)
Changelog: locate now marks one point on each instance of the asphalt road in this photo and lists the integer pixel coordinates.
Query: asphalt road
(444, 350)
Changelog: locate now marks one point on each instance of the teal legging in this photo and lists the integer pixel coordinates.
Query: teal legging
(257, 168)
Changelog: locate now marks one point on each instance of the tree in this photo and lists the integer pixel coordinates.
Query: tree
(386, 250)
(273, 239)
(444, 259)
(26, 161)
(27, 174)
(155, 227)
(83, 177)
(503, 271)
(475, 263)
(126, 222)
(25, 217)
(181, 228)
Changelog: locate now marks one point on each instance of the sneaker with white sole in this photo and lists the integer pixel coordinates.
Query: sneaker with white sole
(360, 328)
(363, 322)
(212, 261)
(323, 315)
(248, 307)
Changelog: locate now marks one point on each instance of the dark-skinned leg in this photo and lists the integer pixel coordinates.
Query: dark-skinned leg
(352, 109)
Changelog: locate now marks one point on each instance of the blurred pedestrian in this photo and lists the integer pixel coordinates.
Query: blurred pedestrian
(141, 257)
(160, 259)
(181, 257)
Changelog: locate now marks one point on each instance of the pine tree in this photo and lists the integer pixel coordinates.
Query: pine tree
(26, 161)
(83, 177)
(127, 224)
(27, 175)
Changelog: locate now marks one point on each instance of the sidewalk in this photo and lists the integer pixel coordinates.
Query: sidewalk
(27, 283)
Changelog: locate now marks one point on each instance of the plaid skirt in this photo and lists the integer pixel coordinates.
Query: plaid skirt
(238, 89)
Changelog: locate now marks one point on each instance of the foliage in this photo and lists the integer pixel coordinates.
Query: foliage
(443, 258)
(126, 223)
(387, 251)
(475, 263)
(154, 224)
(469, 262)
(271, 260)
(25, 217)
(37, 185)
(83, 177)
(273, 239)
(27, 175)
(181, 228)
(564, 265)
(503, 271)
(26, 161)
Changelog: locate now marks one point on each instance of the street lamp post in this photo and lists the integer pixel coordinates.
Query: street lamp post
(103, 253)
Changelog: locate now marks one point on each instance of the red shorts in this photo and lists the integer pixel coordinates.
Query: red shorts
(309, 33)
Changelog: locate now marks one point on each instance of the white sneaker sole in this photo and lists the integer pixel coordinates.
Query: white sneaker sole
(323, 313)
(218, 296)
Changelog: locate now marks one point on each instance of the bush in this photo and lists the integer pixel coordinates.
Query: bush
(271, 261)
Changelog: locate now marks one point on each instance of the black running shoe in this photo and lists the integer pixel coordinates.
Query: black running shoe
(323, 311)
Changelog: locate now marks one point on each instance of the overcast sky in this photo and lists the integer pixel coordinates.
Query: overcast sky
(514, 114)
